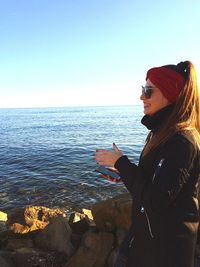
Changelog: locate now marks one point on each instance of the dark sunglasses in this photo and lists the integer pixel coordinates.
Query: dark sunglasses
(147, 91)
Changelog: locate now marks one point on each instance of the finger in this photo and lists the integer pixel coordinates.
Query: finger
(110, 179)
(99, 158)
(101, 150)
(105, 176)
(101, 162)
(100, 154)
(112, 169)
(116, 148)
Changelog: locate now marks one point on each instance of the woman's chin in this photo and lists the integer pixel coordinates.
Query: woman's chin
(146, 111)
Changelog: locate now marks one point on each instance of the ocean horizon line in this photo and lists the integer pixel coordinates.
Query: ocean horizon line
(71, 106)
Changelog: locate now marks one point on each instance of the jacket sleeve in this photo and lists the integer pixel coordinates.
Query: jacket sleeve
(159, 191)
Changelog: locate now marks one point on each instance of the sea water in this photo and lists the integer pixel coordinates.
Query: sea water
(46, 154)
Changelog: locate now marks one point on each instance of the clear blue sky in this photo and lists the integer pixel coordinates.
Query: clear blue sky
(90, 52)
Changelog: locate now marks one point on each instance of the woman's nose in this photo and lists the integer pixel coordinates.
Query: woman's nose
(142, 97)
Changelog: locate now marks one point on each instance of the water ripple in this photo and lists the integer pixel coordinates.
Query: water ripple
(46, 154)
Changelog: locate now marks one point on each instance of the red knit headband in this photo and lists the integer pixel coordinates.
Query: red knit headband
(168, 81)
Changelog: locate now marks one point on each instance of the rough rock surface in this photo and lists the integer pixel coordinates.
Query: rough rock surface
(42, 237)
(113, 213)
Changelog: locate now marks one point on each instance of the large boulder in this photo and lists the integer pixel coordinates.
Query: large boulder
(30, 218)
(5, 262)
(93, 251)
(113, 213)
(56, 236)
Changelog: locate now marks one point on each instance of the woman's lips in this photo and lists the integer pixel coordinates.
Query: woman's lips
(146, 105)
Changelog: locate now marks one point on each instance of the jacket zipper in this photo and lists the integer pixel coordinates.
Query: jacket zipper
(142, 208)
(148, 221)
(131, 242)
(157, 169)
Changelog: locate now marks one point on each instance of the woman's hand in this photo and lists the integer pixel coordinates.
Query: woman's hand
(107, 157)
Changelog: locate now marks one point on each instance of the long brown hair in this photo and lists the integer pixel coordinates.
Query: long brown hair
(185, 115)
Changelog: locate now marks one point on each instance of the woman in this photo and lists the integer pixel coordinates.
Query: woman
(165, 184)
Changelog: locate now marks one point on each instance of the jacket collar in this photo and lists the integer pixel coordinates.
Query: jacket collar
(153, 122)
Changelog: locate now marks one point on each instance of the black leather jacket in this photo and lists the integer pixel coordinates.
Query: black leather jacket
(165, 213)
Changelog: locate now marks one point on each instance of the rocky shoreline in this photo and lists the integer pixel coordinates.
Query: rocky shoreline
(43, 237)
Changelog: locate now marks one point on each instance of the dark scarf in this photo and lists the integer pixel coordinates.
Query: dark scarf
(153, 122)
